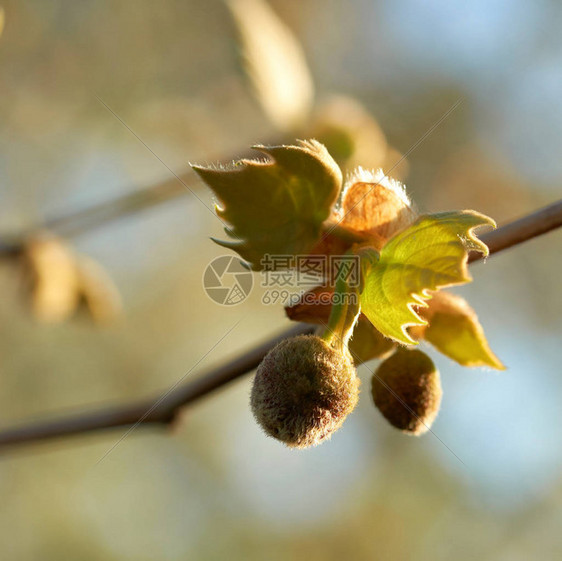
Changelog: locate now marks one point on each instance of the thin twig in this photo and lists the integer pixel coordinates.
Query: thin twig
(79, 222)
(76, 223)
(162, 414)
(516, 232)
(165, 412)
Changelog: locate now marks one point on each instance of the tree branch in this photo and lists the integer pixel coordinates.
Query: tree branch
(121, 416)
(535, 224)
(163, 414)
(76, 223)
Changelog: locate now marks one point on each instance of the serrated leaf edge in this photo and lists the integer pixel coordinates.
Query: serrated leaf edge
(470, 242)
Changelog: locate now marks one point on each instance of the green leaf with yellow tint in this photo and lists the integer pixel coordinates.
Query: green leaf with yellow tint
(275, 206)
(429, 255)
(455, 331)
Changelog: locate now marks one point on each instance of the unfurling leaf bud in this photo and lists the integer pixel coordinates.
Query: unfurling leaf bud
(303, 391)
(406, 389)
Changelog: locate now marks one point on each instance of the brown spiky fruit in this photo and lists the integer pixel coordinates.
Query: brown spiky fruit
(303, 391)
(406, 389)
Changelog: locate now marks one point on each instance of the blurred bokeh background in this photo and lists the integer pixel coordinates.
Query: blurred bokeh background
(487, 485)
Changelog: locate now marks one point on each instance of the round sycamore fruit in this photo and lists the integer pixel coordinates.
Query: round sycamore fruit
(303, 391)
(406, 389)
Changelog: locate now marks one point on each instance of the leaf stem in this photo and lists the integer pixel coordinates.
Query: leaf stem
(343, 315)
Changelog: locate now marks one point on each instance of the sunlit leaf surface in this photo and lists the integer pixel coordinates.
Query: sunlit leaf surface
(430, 254)
(275, 206)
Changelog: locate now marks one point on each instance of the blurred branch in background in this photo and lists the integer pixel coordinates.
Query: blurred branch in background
(74, 224)
(277, 73)
(161, 414)
(164, 410)
(278, 76)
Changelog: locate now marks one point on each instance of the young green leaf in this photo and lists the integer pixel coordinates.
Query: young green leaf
(277, 206)
(429, 255)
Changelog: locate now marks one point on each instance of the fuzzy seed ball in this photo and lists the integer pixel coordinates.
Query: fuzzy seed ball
(406, 389)
(303, 391)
